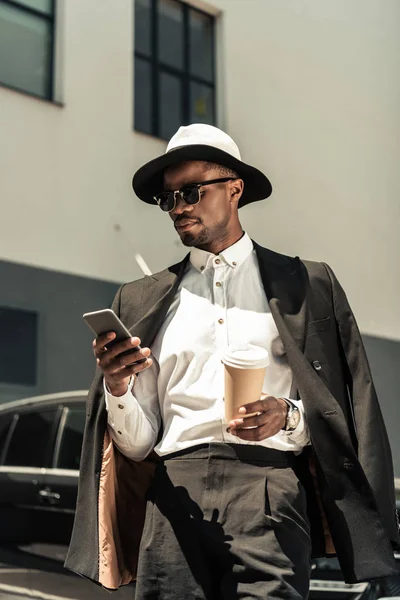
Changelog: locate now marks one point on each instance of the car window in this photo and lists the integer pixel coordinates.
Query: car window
(5, 422)
(71, 440)
(29, 444)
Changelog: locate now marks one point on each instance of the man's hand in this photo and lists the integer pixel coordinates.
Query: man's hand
(116, 366)
(271, 417)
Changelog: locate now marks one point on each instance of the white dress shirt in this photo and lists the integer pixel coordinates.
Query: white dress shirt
(220, 303)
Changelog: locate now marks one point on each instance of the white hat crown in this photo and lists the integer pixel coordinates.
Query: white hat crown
(207, 135)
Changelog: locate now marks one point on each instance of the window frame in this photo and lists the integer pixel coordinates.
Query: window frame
(184, 75)
(50, 18)
(11, 427)
(64, 410)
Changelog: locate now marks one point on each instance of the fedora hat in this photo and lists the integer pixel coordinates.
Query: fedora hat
(206, 143)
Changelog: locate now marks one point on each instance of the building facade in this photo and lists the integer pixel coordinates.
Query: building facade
(90, 90)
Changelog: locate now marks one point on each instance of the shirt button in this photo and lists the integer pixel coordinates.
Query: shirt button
(234, 264)
(120, 432)
(317, 365)
(218, 284)
(220, 321)
(202, 268)
(121, 406)
(217, 261)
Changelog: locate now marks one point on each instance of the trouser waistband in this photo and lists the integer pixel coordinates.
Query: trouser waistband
(242, 452)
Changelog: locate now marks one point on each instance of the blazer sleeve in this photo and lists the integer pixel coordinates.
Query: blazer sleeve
(374, 451)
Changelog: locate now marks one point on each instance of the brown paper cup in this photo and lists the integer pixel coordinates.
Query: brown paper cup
(244, 378)
(241, 387)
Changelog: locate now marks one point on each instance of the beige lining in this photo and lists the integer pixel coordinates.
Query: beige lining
(122, 504)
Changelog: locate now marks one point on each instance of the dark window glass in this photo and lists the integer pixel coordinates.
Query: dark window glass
(18, 356)
(26, 46)
(170, 33)
(174, 66)
(143, 99)
(201, 103)
(201, 45)
(143, 35)
(71, 441)
(170, 104)
(29, 445)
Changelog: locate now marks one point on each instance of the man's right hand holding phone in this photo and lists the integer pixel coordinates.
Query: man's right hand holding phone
(119, 362)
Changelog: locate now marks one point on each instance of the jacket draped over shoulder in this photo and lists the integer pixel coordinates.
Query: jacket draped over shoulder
(347, 472)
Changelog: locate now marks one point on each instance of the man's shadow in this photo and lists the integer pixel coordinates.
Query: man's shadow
(203, 543)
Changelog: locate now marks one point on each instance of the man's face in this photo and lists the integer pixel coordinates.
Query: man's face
(212, 218)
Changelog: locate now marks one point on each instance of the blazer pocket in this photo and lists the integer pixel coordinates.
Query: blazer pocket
(319, 325)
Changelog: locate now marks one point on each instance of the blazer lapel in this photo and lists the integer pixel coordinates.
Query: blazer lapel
(157, 298)
(285, 286)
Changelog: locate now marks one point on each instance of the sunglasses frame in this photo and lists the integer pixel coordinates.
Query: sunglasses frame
(191, 186)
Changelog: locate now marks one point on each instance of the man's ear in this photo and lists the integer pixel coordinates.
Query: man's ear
(236, 189)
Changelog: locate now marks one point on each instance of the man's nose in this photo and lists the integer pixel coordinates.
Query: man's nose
(181, 206)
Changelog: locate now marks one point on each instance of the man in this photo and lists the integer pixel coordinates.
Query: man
(230, 510)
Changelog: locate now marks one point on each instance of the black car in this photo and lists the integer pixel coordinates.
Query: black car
(40, 447)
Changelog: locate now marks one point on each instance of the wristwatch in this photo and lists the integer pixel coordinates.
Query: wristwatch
(292, 417)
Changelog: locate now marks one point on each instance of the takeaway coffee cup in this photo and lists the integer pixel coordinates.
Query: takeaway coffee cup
(244, 377)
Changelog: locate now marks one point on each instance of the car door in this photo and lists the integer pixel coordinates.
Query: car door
(27, 451)
(61, 480)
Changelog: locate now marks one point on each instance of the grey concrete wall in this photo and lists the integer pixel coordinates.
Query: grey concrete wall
(65, 359)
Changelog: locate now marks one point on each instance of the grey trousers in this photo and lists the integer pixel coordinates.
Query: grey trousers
(225, 522)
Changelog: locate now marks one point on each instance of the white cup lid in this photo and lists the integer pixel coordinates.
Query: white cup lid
(246, 357)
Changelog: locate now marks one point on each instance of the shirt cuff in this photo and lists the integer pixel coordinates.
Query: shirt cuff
(133, 428)
(301, 435)
(118, 408)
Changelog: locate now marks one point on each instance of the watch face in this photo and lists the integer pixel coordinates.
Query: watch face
(293, 419)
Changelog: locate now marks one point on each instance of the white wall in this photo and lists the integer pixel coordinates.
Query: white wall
(322, 115)
(311, 94)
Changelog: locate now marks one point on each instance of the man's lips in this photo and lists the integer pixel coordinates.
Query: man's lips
(185, 224)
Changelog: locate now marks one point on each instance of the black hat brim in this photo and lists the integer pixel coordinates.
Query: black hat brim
(149, 179)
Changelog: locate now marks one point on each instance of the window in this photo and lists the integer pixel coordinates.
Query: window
(71, 441)
(29, 444)
(18, 357)
(174, 67)
(26, 45)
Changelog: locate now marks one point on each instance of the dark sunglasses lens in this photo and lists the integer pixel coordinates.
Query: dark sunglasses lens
(190, 194)
(166, 201)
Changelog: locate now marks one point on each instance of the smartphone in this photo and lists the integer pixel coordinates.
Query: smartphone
(105, 320)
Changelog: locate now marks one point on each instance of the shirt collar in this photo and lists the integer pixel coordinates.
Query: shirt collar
(232, 256)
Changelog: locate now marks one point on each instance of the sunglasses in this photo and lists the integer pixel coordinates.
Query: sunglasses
(190, 194)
